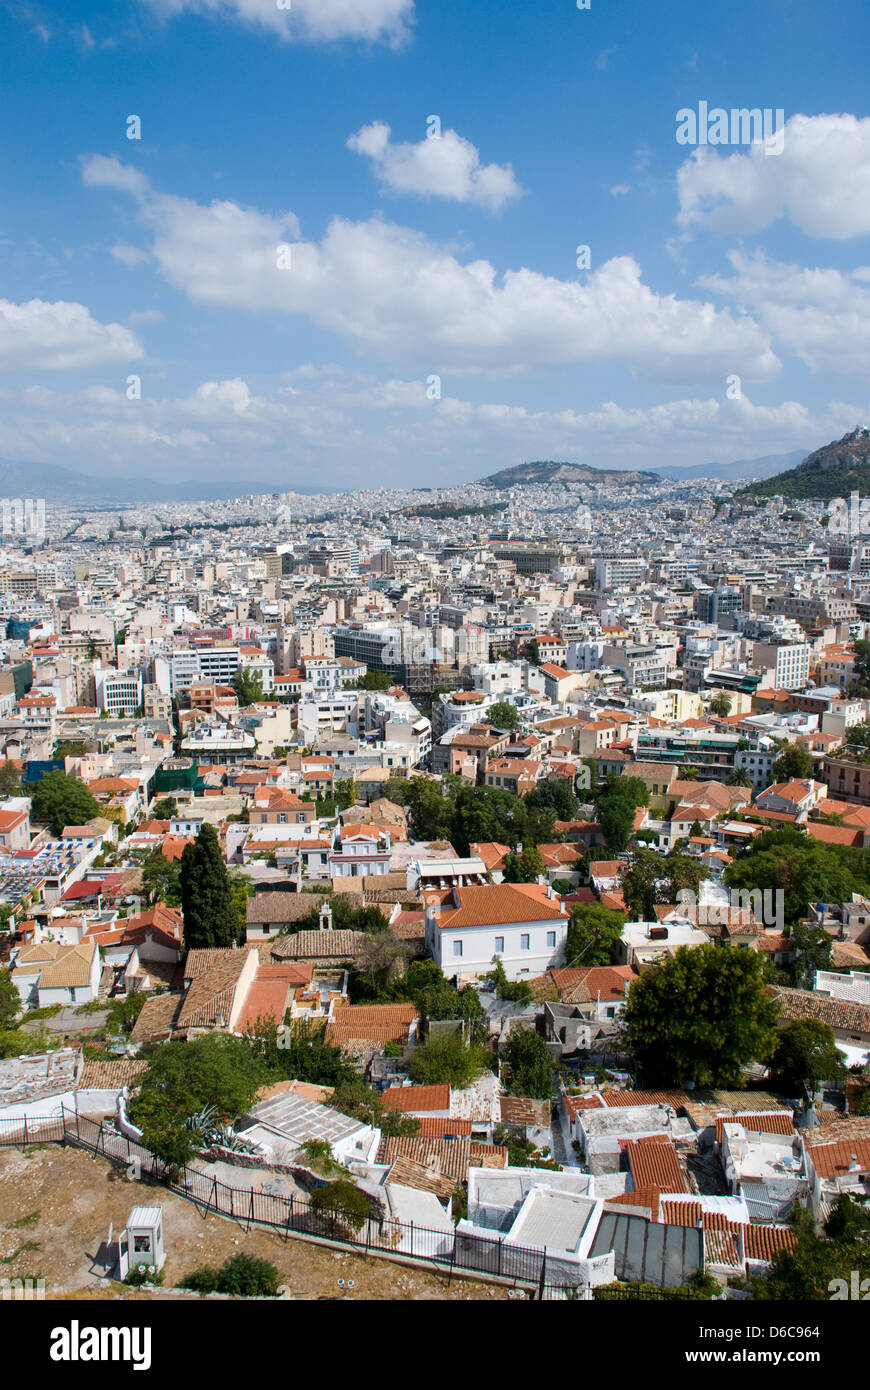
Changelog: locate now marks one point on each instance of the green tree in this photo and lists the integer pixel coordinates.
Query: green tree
(431, 813)
(615, 805)
(703, 1015)
(504, 716)
(165, 809)
(813, 951)
(58, 800)
(449, 1058)
(720, 705)
(123, 1012)
(862, 668)
(485, 814)
(304, 1056)
(512, 991)
(345, 792)
(739, 777)
(554, 794)
(806, 1052)
(533, 652)
(10, 1001)
(652, 879)
(803, 869)
(794, 763)
(858, 736)
(10, 779)
(248, 686)
(526, 1065)
(211, 917)
(436, 997)
(241, 889)
(374, 681)
(809, 1272)
(341, 1203)
(161, 879)
(593, 932)
(523, 868)
(183, 1078)
(71, 748)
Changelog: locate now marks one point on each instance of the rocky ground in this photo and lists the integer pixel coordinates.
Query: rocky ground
(56, 1206)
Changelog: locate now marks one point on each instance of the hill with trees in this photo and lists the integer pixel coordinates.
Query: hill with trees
(832, 471)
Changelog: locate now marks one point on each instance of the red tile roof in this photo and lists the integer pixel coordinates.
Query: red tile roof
(654, 1163)
(410, 1099)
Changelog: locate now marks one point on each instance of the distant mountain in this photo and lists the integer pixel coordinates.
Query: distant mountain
(65, 485)
(549, 472)
(833, 471)
(741, 468)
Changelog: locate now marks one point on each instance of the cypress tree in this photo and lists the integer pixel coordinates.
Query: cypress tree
(210, 917)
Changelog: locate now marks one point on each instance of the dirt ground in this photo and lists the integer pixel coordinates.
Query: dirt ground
(56, 1205)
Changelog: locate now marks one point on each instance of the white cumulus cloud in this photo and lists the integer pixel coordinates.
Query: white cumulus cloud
(820, 314)
(308, 21)
(444, 166)
(42, 336)
(820, 182)
(394, 293)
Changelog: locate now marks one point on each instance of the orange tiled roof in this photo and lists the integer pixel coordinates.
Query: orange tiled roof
(409, 1099)
(494, 904)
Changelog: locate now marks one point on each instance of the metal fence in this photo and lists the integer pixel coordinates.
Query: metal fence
(290, 1215)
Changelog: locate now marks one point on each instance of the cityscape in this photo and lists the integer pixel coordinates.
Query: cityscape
(434, 681)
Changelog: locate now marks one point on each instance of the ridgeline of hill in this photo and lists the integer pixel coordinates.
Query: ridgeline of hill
(833, 471)
(549, 472)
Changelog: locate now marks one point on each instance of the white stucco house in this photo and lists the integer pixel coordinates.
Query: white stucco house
(49, 973)
(524, 924)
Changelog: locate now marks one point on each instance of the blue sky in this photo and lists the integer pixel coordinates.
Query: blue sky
(413, 258)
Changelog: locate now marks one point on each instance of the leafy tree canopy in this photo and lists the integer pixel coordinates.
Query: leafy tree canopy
(504, 716)
(248, 686)
(161, 879)
(805, 870)
(806, 1052)
(701, 1016)
(449, 1058)
(808, 1273)
(615, 804)
(526, 1065)
(554, 794)
(58, 800)
(593, 932)
(795, 763)
(655, 879)
(10, 1001)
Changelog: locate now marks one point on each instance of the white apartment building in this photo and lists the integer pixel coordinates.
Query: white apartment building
(523, 924)
(179, 670)
(789, 663)
(118, 692)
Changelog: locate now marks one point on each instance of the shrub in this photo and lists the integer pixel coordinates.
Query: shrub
(243, 1276)
(341, 1201)
(449, 1058)
(143, 1274)
(50, 1011)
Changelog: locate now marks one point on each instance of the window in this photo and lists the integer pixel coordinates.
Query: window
(551, 938)
(457, 948)
(524, 942)
(499, 945)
